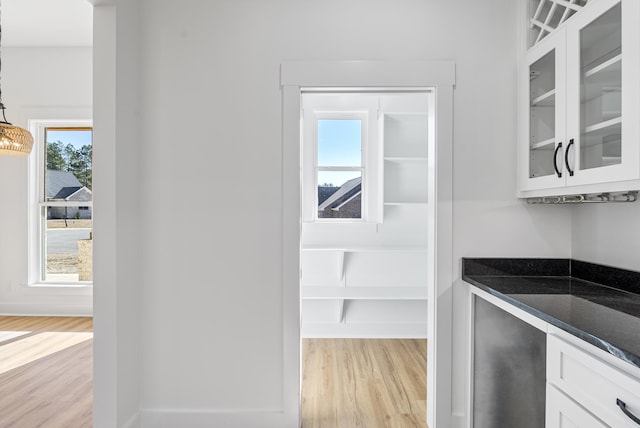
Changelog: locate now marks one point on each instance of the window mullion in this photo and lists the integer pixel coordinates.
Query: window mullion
(340, 168)
(66, 204)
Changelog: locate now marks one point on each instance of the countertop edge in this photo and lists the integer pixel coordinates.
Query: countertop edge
(616, 351)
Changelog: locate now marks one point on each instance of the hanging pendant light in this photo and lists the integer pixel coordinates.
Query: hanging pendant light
(14, 141)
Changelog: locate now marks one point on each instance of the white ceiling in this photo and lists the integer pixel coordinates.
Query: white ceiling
(47, 23)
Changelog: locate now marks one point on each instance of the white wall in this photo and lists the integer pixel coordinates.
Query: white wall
(607, 234)
(210, 277)
(37, 83)
(117, 256)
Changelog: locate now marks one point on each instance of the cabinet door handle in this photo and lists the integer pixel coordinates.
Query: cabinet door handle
(623, 407)
(566, 158)
(555, 160)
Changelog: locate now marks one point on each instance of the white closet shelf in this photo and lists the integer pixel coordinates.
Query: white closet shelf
(363, 293)
(356, 249)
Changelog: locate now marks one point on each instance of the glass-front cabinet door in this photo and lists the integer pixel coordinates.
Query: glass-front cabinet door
(545, 117)
(580, 104)
(602, 72)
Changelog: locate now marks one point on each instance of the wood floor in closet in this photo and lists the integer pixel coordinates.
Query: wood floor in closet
(368, 383)
(46, 372)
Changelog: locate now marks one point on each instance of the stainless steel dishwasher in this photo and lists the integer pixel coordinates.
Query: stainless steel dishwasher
(509, 370)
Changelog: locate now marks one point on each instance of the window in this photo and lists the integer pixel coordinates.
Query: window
(339, 169)
(340, 157)
(63, 241)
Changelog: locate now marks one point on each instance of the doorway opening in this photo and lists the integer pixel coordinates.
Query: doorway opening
(364, 255)
(437, 78)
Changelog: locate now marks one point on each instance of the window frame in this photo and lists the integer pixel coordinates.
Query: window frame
(321, 106)
(38, 203)
(350, 115)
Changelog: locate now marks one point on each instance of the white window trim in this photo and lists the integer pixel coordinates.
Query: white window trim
(336, 106)
(364, 121)
(36, 192)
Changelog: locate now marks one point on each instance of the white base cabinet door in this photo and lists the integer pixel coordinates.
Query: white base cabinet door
(610, 394)
(563, 412)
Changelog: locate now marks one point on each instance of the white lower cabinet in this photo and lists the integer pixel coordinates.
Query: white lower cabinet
(585, 391)
(563, 412)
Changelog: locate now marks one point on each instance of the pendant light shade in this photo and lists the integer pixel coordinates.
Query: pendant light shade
(14, 141)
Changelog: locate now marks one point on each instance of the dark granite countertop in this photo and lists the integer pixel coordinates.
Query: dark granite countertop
(598, 304)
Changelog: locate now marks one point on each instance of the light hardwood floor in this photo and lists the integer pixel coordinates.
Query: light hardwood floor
(46, 378)
(364, 383)
(46, 372)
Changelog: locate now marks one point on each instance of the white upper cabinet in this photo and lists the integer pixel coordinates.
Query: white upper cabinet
(545, 94)
(580, 104)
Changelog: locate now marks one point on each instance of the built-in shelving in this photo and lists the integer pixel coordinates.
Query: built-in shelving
(363, 293)
(371, 279)
(405, 159)
(365, 249)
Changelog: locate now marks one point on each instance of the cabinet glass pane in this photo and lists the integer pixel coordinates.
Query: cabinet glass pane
(600, 91)
(542, 114)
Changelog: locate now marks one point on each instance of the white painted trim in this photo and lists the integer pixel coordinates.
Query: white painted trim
(291, 247)
(363, 74)
(513, 310)
(471, 307)
(365, 331)
(440, 219)
(67, 203)
(106, 317)
(133, 422)
(46, 309)
(439, 75)
(36, 197)
(318, 106)
(169, 418)
(459, 420)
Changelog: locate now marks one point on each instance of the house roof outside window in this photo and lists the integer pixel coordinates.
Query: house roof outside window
(62, 185)
(344, 194)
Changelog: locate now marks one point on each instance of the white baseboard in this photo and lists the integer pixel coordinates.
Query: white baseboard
(162, 418)
(133, 422)
(46, 309)
(365, 331)
(459, 420)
